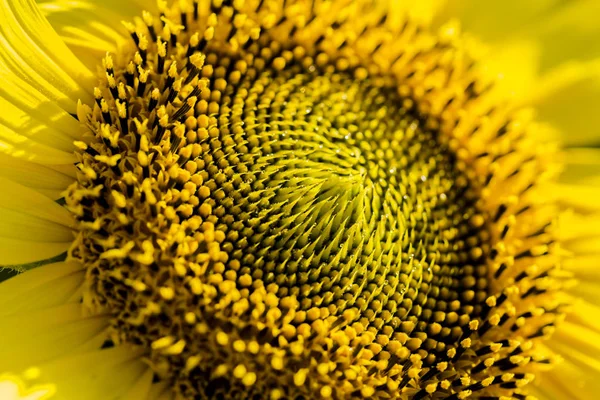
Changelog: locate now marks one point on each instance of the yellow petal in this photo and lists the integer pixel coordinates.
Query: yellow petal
(564, 30)
(13, 387)
(65, 169)
(40, 131)
(43, 336)
(569, 31)
(26, 97)
(28, 112)
(34, 52)
(578, 376)
(33, 127)
(88, 40)
(566, 381)
(32, 280)
(587, 245)
(494, 21)
(104, 10)
(115, 371)
(19, 198)
(582, 166)
(586, 314)
(45, 328)
(515, 65)
(579, 338)
(35, 176)
(19, 146)
(578, 197)
(568, 97)
(40, 288)
(575, 226)
(18, 225)
(577, 342)
(586, 290)
(33, 226)
(548, 51)
(141, 389)
(15, 251)
(56, 342)
(42, 317)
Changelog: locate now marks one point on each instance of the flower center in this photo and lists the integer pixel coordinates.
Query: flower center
(269, 217)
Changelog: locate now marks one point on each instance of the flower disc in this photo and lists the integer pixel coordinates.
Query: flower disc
(322, 216)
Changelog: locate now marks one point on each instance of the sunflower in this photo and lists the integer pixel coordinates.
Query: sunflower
(299, 199)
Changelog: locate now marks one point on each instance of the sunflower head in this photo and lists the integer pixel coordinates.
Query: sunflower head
(306, 199)
(310, 215)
